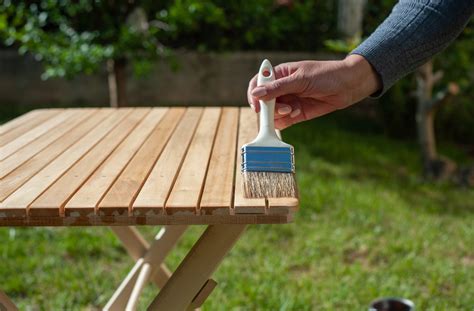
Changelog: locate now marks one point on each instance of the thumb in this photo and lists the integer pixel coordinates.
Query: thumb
(283, 86)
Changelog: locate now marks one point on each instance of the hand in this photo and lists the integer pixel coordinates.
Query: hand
(309, 89)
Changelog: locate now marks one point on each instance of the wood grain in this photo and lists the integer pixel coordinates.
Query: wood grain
(19, 121)
(247, 132)
(187, 189)
(28, 169)
(119, 198)
(27, 152)
(86, 199)
(34, 133)
(219, 187)
(62, 189)
(19, 200)
(155, 191)
(15, 128)
(131, 166)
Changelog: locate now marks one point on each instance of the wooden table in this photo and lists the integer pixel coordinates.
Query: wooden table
(137, 166)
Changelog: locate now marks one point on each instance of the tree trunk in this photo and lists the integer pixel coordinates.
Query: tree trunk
(426, 135)
(425, 113)
(116, 69)
(434, 166)
(350, 14)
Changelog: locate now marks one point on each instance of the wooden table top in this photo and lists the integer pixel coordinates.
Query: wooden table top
(130, 166)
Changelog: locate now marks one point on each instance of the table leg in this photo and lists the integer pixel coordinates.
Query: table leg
(136, 247)
(146, 267)
(6, 304)
(197, 267)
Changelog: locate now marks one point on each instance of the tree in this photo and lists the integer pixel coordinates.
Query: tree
(434, 166)
(72, 37)
(350, 15)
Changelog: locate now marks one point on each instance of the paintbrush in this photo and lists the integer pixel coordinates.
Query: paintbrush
(268, 164)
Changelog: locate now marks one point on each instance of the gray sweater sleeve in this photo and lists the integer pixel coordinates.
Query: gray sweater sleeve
(413, 32)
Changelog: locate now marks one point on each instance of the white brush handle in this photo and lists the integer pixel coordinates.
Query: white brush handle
(267, 135)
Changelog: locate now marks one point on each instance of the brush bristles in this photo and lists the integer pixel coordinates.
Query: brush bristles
(268, 185)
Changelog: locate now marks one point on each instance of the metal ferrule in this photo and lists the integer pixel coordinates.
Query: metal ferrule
(268, 159)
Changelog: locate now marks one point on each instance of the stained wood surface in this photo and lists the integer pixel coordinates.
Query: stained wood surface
(129, 166)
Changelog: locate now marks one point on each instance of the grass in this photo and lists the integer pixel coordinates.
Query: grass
(368, 227)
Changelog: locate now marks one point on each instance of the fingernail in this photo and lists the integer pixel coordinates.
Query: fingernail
(295, 113)
(284, 109)
(253, 107)
(259, 91)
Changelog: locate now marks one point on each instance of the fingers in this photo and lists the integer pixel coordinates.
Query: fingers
(253, 101)
(283, 86)
(294, 117)
(282, 110)
(302, 111)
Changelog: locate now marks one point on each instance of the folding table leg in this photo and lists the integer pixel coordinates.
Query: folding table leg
(136, 247)
(126, 296)
(6, 304)
(196, 267)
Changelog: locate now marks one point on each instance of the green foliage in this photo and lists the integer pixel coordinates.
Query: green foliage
(221, 25)
(341, 46)
(72, 37)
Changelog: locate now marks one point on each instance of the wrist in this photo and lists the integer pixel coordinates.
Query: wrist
(363, 79)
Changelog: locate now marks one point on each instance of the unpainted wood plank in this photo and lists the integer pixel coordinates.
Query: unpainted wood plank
(219, 186)
(18, 121)
(23, 123)
(24, 172)
(247, 132)
(27, 152)
(152, 197)
(51, 202)
(34, 133)
(187, 189)
(282, 205)
(28, 192)
(118, 200)
(87, 198)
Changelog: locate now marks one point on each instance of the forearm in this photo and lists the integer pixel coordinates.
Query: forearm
(413, 33)
(362, 79)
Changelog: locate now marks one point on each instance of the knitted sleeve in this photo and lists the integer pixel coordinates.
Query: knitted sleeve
(413, 32)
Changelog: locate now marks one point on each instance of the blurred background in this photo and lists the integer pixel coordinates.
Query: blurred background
(381, 213)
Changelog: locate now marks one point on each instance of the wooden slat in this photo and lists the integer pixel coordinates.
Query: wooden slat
(21, 174)
(186, 192)
(282, 205)
(247, 132)
(28, 151)
(20, 125)
(51, 202)
(219, 187)
(34, 133)
(155, 191)
(84, 201)
(17, 202)
(18, 121)
(119, 198)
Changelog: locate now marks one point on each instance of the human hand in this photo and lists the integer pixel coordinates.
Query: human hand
(309, 89)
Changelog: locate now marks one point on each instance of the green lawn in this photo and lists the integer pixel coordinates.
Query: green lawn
(368, 227)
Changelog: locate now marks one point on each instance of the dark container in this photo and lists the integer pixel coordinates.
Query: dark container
(392, 304)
